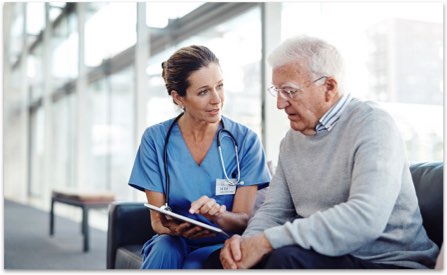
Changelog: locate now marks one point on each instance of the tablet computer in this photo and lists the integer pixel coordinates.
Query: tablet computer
(186, 219)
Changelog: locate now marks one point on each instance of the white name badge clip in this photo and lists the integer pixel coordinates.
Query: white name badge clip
(223, 187)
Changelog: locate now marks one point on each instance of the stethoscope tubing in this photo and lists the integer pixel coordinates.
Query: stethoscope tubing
(219, 147)
(222, 130)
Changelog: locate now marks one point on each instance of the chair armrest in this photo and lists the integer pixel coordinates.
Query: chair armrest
(129, 224)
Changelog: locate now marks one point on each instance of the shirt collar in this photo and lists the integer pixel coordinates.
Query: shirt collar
(330, 118)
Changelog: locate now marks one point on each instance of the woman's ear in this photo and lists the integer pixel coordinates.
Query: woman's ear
(177, 98)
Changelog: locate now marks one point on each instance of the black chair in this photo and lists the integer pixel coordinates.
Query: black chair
(428, 178)
(129, 223)
(129, 228)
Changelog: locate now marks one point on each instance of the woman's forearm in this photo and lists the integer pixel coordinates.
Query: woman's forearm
(232, 222)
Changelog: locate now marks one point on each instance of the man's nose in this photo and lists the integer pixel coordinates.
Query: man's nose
(281, 102)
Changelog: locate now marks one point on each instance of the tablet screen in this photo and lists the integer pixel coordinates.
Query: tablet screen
(186, 219)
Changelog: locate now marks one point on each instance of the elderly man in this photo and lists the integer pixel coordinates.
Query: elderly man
(342, 195)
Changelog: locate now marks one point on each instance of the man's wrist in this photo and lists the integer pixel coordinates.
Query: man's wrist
(265, 242)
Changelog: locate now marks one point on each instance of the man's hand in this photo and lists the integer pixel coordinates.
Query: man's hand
(231, 252)
(244, 252)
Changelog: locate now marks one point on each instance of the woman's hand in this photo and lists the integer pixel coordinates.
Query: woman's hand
(207, 207)
(184, 229)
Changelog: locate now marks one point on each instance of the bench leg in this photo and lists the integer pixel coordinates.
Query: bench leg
(85, 228)
(52, 217)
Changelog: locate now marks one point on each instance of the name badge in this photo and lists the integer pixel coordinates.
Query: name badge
(224, 188)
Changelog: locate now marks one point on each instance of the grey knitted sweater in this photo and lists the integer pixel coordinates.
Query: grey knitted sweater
(347, 191)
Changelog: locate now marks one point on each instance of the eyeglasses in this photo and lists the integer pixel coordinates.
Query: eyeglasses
(289, 93)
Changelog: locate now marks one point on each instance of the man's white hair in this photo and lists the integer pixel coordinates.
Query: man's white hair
(320, 57)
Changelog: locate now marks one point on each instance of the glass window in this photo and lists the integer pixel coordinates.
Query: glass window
(16, 45)
(158, 14)
(122, 131)
(35, 73)
(63, 141)
(97, 162)
(111, 153)
(393, 55)
(65, 51)
(105, 36)
(14, 91)
(35, 19)
(56, 9)
(37, 152)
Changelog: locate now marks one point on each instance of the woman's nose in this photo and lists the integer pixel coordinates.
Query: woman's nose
(216, 97)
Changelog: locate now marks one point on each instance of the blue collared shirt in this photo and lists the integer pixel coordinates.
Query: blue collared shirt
(330, 118)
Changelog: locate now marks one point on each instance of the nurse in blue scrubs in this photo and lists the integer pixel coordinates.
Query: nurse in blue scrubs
(217, 189)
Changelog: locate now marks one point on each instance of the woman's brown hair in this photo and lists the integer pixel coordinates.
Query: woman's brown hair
(181, 64)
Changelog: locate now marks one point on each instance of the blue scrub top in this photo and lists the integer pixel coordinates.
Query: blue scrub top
(188, 180)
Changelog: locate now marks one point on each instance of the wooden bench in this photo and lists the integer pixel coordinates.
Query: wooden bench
(83, 199)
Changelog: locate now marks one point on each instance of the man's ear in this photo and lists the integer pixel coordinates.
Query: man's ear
(177, 98)
(331, 89)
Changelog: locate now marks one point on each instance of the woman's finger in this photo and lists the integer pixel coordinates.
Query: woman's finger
(196, 205)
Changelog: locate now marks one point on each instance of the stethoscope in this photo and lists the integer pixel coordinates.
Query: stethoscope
(219, 133)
